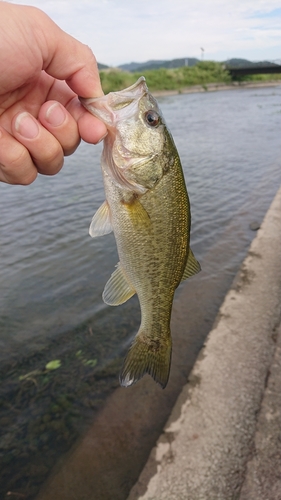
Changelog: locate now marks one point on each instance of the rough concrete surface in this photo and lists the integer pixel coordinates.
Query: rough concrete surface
(222, 441)
(263, 477)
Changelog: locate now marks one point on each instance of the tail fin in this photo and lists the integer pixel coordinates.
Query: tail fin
(147, 355)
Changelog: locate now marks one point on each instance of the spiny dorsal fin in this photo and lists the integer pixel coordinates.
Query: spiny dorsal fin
(117, 290)
(101, 224)
(192, 266)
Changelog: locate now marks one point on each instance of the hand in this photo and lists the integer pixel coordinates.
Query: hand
(42, 70)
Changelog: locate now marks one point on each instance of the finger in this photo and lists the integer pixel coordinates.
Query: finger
(90, 128)
(75, 63)
(65, 58)
(57, 120)
(16, 166)
(45, 150)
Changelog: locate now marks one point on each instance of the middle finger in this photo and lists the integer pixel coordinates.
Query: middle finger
(57, 120)
(44, 148)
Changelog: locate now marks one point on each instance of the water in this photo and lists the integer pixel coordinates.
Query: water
(53, 273)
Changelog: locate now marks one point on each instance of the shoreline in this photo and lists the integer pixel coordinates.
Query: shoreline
(215, 87)
(230, 405)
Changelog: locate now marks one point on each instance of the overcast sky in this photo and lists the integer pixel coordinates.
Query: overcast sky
(122, 31)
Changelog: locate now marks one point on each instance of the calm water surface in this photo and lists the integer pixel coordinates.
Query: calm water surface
(53, 273)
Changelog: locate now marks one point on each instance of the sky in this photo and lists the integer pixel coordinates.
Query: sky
(122, 31)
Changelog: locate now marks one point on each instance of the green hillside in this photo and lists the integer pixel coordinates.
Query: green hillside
(165, 78)
(202, 73)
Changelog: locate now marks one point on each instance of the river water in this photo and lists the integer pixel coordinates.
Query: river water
(52, 272)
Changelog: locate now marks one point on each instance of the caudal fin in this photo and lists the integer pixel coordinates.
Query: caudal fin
(147, 355)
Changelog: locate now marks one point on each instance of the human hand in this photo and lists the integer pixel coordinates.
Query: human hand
(42, 70)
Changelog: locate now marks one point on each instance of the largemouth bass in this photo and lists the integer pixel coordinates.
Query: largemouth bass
(147, 207)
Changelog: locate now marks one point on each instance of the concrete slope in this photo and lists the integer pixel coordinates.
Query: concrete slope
(263, 475)
(211, 441)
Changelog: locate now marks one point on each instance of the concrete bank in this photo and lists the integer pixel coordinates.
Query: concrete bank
(222, 441)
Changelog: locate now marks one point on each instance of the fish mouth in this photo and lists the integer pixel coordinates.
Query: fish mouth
(112, 109)
(108, 108)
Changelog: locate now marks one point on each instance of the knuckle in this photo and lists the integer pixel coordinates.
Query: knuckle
(17, 156)
(16, 164)
(19, 170)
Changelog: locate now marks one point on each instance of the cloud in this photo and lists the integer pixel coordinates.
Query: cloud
(276, 13)
(119, 31)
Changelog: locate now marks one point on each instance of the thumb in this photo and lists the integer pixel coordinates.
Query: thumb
(65, 58)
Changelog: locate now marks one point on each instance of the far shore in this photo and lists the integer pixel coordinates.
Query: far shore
(212, 87)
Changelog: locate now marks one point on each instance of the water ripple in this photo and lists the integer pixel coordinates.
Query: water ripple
(52, 273)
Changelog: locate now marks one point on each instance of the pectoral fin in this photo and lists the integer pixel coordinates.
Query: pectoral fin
(192, 266)
(137, 213)
(101, 224)
(117, 290)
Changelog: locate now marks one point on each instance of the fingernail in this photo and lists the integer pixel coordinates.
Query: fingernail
(103, 137)
(55, 115)
(26, 126)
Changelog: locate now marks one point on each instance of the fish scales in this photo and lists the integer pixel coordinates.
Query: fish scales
(147, 206)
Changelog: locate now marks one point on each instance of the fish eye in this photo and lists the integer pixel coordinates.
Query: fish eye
(152, 118)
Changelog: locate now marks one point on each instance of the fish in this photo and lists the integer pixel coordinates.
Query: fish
(147, 207)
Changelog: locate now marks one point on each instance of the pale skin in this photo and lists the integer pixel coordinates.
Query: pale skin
(42, 71)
